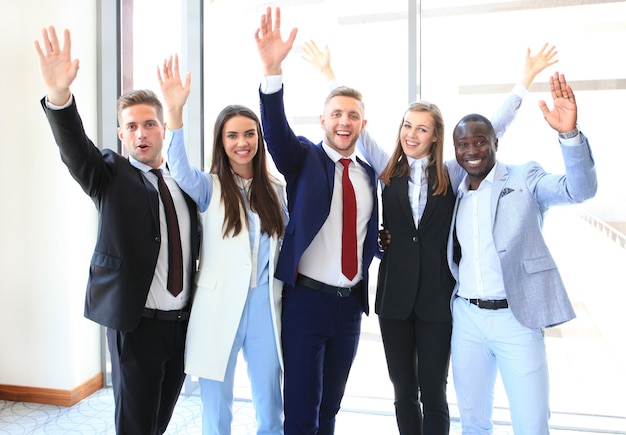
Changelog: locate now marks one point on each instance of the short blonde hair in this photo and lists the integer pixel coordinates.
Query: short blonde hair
(141, 96)
(345, 91)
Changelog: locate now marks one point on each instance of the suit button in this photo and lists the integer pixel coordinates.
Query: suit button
(157, 239)
(414, 238)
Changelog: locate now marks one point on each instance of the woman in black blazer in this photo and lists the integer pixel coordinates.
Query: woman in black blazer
(414, 282)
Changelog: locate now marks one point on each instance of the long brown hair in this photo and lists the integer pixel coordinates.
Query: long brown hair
(398, 165)
(263, 197)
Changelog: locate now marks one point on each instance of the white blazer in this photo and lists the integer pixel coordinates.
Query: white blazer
(222, 284)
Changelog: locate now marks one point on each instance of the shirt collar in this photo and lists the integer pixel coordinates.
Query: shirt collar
(486, 183)
(335, 156)
(243, 183)
(417, 168)
(423, 161)
(145, 168)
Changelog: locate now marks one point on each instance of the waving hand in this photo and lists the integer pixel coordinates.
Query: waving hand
(58, 70)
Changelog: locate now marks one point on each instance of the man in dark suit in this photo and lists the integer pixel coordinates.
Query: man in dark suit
(323, 301)
(131, 288)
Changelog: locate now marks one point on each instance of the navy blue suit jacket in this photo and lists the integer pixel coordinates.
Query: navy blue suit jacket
(309, 174)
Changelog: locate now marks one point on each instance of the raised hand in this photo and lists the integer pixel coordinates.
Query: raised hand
(272, 49)
(58, 70)
(319, 59)
(175, 94)
(533, 65)
(563, 115)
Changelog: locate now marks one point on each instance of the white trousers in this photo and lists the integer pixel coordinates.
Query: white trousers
(484, 341)
(255, 336)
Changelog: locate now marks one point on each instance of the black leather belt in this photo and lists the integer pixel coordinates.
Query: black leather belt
(489, 304)
(174, 315)
(342, 292)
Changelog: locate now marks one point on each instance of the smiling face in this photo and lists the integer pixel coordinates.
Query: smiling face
(417, 134)
(142, 134)
(342, 123)
(475, 147)
(241, 143)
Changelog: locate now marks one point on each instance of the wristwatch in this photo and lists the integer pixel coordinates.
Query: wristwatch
(569, 134)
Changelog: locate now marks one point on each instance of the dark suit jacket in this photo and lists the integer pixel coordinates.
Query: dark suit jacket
(125, 256)
(414, 273)
(309, 173)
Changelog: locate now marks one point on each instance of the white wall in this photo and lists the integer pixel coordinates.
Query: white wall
(47, 224)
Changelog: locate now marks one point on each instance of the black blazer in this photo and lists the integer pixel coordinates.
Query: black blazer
(127, 247)
(413, 275)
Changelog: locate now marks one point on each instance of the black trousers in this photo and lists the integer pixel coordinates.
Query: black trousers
(418, 356)
(147, 372)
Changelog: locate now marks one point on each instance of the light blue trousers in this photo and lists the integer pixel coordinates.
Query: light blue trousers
(256, 337)
(484, 341)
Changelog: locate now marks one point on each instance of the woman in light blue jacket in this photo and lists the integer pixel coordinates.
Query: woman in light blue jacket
(237, 303)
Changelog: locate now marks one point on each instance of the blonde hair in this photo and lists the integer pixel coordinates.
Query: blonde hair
(398, 165)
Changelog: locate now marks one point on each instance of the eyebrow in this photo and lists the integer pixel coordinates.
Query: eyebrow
(417, 125)
(252, 130)
(141, 122)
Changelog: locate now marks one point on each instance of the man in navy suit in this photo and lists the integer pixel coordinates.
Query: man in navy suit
(128, 289)
(322, 303)
(508, 286)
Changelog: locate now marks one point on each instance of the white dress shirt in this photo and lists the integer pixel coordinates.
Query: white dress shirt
(480, 271)
(322, 259)
(418, 187)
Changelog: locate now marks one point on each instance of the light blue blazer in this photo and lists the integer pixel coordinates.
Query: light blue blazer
(521, 196)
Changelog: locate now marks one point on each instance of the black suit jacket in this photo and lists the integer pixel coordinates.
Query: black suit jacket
(127, 247)
(413, 275)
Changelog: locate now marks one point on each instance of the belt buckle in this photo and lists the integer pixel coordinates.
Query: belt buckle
(341, 294)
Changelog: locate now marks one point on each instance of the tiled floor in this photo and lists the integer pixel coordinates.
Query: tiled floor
(94, 416)
(587, 360)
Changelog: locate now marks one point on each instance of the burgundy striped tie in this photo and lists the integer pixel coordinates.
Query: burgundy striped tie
(174, 248)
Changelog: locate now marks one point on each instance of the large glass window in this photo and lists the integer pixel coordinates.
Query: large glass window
(368, 44)
(465, 58)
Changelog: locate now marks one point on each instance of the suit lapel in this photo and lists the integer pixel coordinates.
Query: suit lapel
(153, 196)
(499, 181)
(330, 171)
(454, 249)
(399, 191)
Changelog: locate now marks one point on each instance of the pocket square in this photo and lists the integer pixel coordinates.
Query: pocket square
(505, 191)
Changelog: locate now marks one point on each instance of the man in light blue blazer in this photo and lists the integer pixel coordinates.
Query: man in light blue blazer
(508, 286)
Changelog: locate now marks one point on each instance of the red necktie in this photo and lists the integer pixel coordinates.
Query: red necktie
(349, 265)
(174, 249)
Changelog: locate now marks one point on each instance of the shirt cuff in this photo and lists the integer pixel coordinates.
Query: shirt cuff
(271, 84)
(572, 141)
(519, 90)
(51, 106)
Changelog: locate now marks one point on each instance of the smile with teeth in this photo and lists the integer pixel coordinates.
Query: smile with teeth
(473, 162)
(343, 133)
